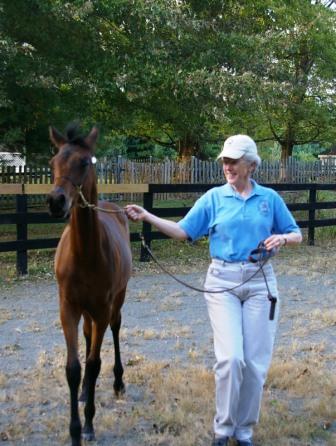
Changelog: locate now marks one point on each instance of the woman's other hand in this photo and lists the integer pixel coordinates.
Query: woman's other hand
(275, 242)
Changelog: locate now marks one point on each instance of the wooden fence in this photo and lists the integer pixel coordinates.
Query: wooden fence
(194, 171)
(22, 217)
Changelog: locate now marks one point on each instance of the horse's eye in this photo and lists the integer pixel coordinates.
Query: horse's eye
(84, 162)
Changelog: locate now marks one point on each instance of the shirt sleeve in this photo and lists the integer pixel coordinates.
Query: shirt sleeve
(284, 221)
(196, 222)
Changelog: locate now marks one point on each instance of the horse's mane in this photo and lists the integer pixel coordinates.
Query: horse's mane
(74, 135)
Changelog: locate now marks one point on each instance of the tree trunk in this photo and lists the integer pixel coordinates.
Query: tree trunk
(188, 147)
(286, 149)
(286, 153)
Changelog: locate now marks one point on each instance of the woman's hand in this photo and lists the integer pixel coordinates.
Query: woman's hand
(168, 227)
(275, 242)
(135, 213)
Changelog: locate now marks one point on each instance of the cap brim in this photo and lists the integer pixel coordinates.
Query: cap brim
(234, 154)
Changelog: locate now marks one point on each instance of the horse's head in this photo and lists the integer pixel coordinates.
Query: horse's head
(72, 169)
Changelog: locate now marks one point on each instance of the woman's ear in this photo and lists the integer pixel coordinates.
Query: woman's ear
(253, 167)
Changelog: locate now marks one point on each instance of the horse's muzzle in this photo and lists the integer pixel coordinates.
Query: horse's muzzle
(58, 204)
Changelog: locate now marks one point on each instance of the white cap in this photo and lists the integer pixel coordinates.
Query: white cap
(237, 146)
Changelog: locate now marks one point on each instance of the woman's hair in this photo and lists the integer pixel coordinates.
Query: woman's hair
(252, 158)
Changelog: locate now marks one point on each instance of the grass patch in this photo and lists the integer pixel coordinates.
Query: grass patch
(168, 404)
(172, 404)
(173, 254)
(181, 257)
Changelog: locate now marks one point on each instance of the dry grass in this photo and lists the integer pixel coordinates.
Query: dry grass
(167, 404)
(311, 261)
(172, 404)
(315, 321)
(5, 315)
(175, 331)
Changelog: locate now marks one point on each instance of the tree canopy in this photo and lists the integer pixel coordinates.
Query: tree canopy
(183, 74)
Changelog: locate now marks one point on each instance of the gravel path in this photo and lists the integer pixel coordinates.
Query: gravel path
(161, 321)
(158, 313)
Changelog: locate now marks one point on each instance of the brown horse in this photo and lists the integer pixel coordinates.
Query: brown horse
(92, 265)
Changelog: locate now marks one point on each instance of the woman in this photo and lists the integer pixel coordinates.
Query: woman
(236, 217)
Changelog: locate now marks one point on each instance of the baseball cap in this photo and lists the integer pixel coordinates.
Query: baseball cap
(236, 146)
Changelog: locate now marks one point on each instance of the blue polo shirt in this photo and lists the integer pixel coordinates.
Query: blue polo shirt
(236, 225)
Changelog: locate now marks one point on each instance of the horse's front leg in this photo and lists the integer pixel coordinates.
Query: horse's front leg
(118, 385)
(92, 370)
(70, 319)
(87, 330)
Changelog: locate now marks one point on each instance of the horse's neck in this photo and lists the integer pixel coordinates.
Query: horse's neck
(85, 229)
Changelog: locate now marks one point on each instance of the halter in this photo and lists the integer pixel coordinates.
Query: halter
(85, 203)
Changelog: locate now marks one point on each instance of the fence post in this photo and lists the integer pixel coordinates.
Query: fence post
(146, 227)
(311, 222)
(119, 161)
(21, 235)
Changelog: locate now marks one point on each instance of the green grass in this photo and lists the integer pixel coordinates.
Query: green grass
(173, 254)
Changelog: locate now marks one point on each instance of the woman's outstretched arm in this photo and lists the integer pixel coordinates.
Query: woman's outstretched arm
(168, 227)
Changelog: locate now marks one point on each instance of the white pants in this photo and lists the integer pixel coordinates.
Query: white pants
(243, 343)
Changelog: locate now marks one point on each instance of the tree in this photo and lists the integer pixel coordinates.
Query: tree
(178, 65)
(44, 74)
(183, 74)
(296, 76)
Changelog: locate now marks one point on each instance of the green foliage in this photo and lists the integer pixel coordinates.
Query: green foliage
(296, 92)
(179, 76)
(307, 152)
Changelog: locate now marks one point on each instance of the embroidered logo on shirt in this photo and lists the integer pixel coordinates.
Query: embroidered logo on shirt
(263, 207)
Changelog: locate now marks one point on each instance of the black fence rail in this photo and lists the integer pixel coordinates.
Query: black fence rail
(22, 217)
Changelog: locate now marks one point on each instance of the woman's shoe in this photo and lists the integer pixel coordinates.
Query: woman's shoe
(220, 441)
(245, 443)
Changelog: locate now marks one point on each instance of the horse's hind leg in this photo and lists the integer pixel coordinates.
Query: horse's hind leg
(118, 385)
(70, 319)
(87, 331)
(92, 370)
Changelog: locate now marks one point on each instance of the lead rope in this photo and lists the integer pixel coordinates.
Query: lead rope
(270, 297)
(202, 290)
(86, 204)
(261, 264)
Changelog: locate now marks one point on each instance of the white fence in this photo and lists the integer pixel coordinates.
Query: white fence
(198, 171)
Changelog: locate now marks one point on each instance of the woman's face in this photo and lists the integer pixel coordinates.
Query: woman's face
(237, 171)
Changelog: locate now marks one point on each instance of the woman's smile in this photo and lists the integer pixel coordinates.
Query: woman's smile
(236, 171)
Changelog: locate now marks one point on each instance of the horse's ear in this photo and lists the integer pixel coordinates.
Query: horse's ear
(92, 137)
(56, 137)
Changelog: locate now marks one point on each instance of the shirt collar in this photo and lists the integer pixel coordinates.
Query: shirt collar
(257, 190)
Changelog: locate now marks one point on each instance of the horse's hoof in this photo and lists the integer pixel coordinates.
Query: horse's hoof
(88, 436)
(119, 390)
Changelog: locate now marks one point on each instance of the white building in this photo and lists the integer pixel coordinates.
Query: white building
(12, 159)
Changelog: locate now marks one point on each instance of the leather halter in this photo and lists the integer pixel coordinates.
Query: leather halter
(85, 203)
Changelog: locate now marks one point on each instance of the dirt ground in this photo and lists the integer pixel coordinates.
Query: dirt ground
(162, 322)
